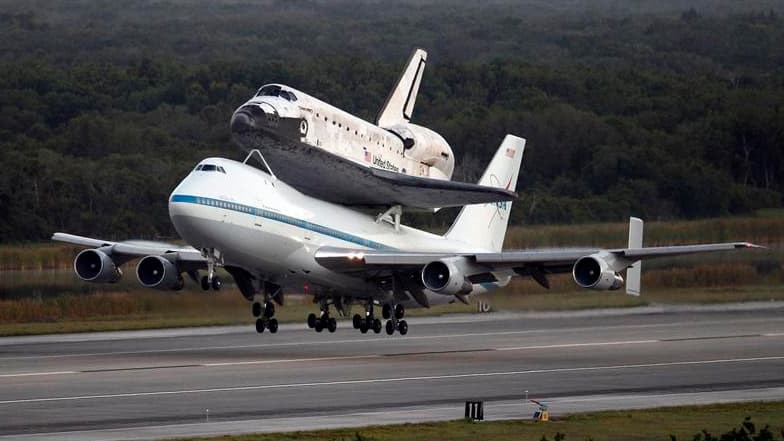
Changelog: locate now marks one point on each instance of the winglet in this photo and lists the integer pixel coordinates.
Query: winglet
(634, 272)
(400, 102)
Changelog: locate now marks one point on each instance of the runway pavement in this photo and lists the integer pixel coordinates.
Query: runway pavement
(153, 384)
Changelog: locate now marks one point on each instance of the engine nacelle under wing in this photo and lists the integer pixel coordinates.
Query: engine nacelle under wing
(157, 272)
(94, 265)
(595, 272)
(444, 277)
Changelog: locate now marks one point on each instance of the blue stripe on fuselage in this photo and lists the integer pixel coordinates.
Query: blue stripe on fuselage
(278, 217)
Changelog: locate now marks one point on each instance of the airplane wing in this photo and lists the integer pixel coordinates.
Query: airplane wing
(122, 252)
(489, 267)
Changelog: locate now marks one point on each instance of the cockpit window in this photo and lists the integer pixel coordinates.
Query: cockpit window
(269, 91)
(210, 168)
(288, 95)
(276, 91)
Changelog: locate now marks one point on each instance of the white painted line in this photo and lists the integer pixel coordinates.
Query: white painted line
(34, 374)
(290, 360)
(391, 380)
(776, 334)
(578, 345)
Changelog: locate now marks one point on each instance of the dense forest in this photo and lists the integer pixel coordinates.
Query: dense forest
(657, 109)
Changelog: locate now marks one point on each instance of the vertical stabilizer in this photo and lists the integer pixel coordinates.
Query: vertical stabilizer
(400, 103)
(634, 272)
(484, 225)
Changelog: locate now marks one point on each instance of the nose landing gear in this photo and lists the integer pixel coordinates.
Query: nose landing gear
(211, 280)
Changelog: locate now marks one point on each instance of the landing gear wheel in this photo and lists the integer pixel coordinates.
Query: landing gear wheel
(216, 283)
(363, 327)
(318, 326)
(260, 326)
(356, 321)
(386, 311)
(390, 327)
(332, 325)
(400, 312)
(273, 325)
(312, 320)
(269, 309)
(402, 326)
(377, 326)
(256, 309)
(205, 283)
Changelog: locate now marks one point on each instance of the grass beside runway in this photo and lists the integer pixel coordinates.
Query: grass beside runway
(625, 425)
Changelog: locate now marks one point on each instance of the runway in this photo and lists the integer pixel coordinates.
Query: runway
(153, 384)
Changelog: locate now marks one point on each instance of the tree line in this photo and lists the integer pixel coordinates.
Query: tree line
(651, 117)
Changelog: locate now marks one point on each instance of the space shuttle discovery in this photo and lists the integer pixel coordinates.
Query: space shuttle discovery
(333, 155)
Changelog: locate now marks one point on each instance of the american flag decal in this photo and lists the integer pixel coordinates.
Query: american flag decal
(510, 152)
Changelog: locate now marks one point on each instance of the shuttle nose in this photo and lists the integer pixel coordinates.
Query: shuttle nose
(243, 120)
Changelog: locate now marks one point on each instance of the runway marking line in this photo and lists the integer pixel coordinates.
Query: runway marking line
(360, 357)
(392, 380)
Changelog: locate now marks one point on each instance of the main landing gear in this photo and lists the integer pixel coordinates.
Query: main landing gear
(211, 280)
(368, 322)
(395, 321)
(323, 320)
(265, 312)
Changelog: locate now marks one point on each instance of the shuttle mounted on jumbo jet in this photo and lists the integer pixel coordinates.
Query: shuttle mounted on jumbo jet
(271, 237)
(333, 155)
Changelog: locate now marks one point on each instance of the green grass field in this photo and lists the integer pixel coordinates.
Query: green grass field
(631, 425)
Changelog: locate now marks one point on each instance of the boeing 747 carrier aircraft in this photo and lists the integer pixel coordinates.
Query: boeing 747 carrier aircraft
(271, 237)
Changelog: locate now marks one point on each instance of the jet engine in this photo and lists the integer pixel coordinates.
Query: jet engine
(427, 147)
(96, 266)
(159, 273)
(594, 272)
(444, 277)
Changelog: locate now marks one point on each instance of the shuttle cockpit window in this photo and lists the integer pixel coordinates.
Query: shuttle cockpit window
(288, 95)
(269, 91)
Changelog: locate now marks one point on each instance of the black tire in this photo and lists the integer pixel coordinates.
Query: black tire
(216, 283)
(312, 320)
(402, 326)
(205, 283)
(363, 327)
(377, 326)
(400, 312)
(269, 309)
(318, 326)
(390, 327)
(386, 311)
(332, 325)
(273, 325)
(256, 308)
(260, 326)
(356, 321)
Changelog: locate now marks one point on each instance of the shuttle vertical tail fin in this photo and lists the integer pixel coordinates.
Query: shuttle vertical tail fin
(400, 102)
(484, 225)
